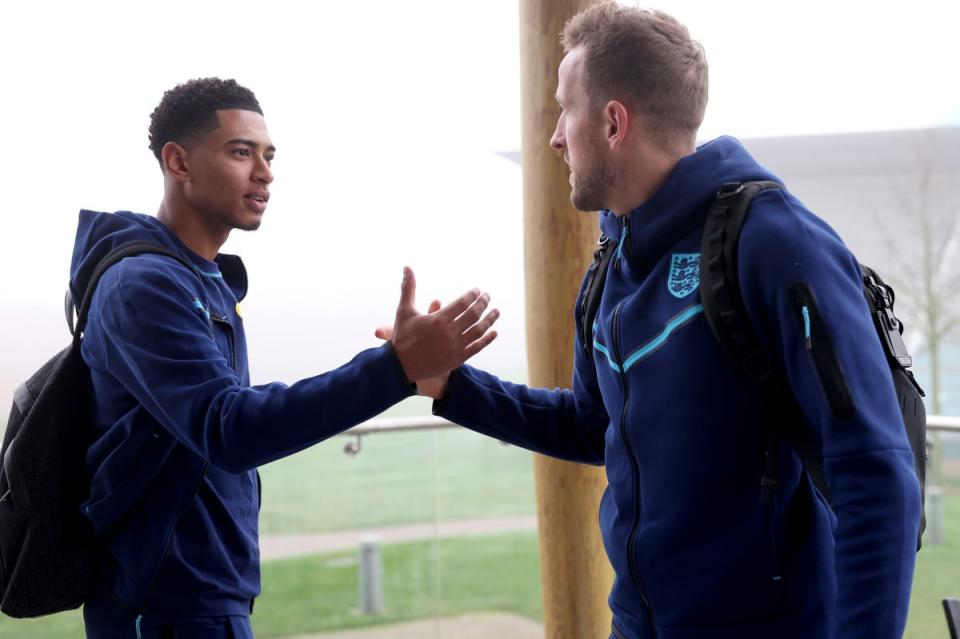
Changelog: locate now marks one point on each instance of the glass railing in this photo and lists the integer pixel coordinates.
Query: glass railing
(405, 527)
(937, 573)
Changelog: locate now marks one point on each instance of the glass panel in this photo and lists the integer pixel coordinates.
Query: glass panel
(453, 514)
(938, 564)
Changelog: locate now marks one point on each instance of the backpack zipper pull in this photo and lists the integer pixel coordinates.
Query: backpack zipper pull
(807, 340)
(624, 234)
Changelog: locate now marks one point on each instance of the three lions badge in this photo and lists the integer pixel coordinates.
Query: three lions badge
(684, 277)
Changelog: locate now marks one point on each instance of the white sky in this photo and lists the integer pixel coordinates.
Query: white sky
(387, 116)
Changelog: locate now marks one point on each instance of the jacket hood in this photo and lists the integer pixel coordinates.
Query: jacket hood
(680, 204)
(99, 233)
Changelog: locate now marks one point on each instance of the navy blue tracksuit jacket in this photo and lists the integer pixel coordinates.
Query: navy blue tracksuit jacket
(174, 492)
(697, 552)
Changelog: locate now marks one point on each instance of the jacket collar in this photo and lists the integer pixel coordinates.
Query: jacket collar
(679, 206)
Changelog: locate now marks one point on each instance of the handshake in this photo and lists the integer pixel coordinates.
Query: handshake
(430, 346)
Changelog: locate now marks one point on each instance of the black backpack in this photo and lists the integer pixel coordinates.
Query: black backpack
(730, 324)
(49, 558)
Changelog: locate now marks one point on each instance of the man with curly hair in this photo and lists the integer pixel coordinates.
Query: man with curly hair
(174, 493)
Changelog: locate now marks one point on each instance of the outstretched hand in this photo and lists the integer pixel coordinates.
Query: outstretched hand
(433, 387)
(430, 346)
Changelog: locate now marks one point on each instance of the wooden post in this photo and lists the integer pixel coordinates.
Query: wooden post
(558, 244)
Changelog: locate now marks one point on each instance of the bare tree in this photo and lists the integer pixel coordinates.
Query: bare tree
(923, 242)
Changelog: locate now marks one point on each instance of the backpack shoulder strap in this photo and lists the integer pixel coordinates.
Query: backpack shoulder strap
(593, 291)
(719, 284)
(727, 316)
(126, 249)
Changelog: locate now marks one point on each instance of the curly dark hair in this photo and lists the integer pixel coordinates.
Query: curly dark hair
(190, 109)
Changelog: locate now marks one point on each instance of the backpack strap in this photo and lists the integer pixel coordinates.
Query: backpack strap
(727, 316)
(126, 249)
(593, 291)
(720, 285)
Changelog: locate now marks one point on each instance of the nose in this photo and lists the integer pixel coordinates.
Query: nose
(262, 173)
(557, 141)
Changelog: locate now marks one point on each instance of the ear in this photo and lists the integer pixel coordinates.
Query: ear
(617, 121)
(175, 161)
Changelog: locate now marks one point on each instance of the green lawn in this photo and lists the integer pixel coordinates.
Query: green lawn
(937, 575)
(423, 579)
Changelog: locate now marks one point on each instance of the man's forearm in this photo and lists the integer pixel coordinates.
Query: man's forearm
(542, 420)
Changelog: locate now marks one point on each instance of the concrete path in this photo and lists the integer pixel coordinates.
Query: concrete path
(286, 546)
(485, 625)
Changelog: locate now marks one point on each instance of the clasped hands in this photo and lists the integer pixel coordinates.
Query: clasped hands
(431, 345)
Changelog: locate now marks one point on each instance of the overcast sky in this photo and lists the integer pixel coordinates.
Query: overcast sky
(387, 116)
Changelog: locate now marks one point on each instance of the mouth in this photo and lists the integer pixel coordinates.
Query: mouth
(257, 200)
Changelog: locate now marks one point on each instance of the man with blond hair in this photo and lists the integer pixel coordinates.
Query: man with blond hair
(698, 547)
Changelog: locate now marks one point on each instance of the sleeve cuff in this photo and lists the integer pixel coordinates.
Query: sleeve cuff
(440, 406)
(411, 387)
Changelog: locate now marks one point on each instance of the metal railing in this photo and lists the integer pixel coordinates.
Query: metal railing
(943, 424)
(390, 425)
(935, 423)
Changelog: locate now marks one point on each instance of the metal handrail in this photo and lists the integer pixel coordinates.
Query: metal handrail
(943, 423)
(935, 423)
(391, 425)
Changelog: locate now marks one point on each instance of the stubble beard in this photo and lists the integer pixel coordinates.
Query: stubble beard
(591, 186)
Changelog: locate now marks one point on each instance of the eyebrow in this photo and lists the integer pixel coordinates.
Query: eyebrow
(251, 144)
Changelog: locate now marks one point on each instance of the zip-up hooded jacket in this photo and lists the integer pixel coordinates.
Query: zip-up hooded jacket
(696, 550)
(173, 488)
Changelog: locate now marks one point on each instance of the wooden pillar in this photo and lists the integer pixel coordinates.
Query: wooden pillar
(558, 245)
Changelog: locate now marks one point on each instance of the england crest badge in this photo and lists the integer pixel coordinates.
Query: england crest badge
(684, 274)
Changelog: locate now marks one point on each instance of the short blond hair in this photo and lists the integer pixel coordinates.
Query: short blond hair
(647, 59)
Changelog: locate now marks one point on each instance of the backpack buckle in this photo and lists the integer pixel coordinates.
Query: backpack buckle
(729, 189)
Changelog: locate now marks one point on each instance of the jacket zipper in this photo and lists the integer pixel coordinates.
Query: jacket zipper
(631, 559)
(817, 342)
(624, 234)
(173, 530)
(222, 320)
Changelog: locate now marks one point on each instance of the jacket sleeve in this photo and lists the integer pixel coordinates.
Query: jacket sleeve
(146, 333)
(802, 288)
(568, 424)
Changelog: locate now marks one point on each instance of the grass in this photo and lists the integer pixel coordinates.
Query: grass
(937, 575)
(421, 580)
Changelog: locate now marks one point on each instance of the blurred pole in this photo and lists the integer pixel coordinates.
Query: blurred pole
(371, 576)
(558, 245)
(933, 535)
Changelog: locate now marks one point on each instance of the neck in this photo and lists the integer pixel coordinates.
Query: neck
(191, 229)
(642, 178)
